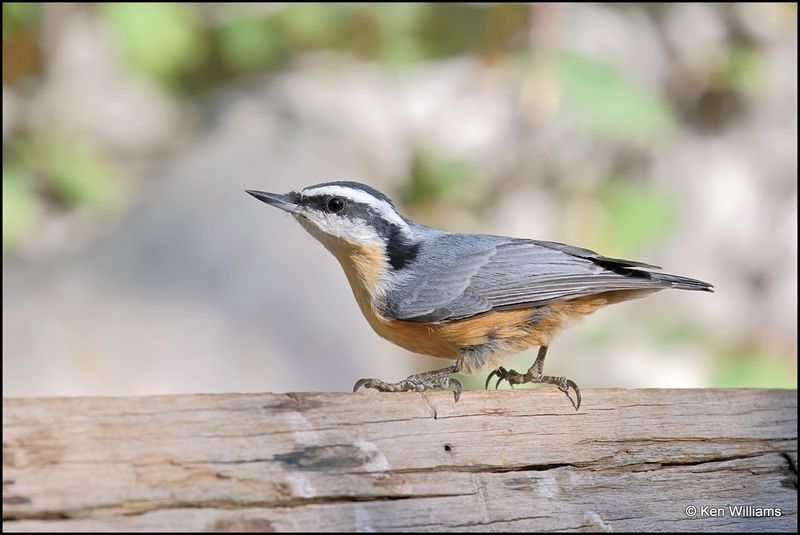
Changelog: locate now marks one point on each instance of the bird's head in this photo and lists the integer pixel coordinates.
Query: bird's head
(343, 215)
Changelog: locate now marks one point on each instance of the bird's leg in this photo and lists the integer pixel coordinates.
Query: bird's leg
(534, 375)
(416, 383)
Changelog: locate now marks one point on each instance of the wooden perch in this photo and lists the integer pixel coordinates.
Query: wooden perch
(507, 460)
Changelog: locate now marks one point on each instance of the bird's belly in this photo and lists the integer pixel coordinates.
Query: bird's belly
(482, 341)
(507, 331)
(485, 336)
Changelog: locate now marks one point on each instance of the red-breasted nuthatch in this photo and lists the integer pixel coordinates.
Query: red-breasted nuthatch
(468, 297)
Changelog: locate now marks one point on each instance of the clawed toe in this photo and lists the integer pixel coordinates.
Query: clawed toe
(501, 373)
(363, 382)
(489, 378)
(564, 385)
(457, 389)
(499, 380)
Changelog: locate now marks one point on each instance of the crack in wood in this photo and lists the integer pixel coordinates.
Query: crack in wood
(140, 507)
(427, 401)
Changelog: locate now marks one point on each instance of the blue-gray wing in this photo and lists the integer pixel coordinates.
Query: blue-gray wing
(457, 276)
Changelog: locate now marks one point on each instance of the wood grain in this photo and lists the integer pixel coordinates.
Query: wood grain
(521, 461)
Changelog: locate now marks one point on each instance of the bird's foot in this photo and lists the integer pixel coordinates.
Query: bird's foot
(515, 378)
(415, 383)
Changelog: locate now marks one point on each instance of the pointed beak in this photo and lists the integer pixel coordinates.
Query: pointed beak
(275, 199)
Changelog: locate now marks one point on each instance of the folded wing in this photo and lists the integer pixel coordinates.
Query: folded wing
(459, 276)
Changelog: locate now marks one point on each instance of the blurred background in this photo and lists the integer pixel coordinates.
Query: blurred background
(134, 263)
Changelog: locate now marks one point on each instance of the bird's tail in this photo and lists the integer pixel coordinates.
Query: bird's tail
(682, 283)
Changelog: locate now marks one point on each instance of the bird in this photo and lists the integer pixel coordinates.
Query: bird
(470, 298)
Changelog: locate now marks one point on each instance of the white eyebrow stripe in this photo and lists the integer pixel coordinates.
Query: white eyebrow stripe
(383, 207)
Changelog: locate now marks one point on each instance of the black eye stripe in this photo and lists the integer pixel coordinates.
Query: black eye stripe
(317, 202)
(353, 210)
(324, 203)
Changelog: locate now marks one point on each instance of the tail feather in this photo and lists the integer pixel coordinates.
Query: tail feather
(682, 283)
(638, 270)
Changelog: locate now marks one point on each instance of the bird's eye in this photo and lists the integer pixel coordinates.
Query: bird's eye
(335, 204)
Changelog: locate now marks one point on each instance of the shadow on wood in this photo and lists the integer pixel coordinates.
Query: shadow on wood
(523, 460)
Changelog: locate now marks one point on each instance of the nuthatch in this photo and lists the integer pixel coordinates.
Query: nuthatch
(468, 297)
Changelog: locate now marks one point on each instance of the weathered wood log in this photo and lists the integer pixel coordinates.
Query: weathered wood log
(523, 460)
